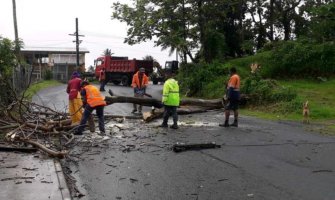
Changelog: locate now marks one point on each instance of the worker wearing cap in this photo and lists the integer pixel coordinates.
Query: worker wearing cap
(92, 100)
(75, 103)
(102, 79)
(139, 83)
(233, 96)
(170, 100)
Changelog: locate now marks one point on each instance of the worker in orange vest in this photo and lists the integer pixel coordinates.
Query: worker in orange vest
(139, 83)
(233, 96)
(92, 100)
(102, 79)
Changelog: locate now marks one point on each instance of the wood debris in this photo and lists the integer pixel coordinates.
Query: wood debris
(28, 126)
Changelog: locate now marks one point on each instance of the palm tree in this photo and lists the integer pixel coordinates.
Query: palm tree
(107, 52)
(148, 57)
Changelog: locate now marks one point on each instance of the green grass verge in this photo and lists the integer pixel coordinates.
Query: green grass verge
(35, 87)
(320, 95)
(321, 98)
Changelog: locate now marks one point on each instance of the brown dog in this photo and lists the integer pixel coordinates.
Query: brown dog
(305, 113)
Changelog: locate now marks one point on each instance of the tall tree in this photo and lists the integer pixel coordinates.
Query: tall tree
(256, 11)
(323, 22)
(165, 22)
(286, 12)
(214, 29)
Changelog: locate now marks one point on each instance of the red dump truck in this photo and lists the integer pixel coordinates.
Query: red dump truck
(121, 69)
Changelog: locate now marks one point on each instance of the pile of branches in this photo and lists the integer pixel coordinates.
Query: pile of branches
(25, 124)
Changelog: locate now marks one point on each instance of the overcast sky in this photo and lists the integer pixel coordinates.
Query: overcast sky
(44, 23)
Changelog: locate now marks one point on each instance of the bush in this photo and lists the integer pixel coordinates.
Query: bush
(193, 78)
(300, 59)
(48, 75)
(287, 107)
(264, 91)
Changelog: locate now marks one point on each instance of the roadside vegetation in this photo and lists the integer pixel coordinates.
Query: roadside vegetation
(276, 90)
(35, 87)
(291, 41)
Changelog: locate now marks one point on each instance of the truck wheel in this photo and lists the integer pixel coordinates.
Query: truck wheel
(125, 80)
(116, 82)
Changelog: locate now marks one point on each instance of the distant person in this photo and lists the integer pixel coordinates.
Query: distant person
(233, 97)
(171, 100)
(139, 83)
(92, 100)
(75, 103)
(102, 79)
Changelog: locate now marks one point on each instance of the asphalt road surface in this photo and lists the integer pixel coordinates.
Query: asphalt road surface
(258, 160)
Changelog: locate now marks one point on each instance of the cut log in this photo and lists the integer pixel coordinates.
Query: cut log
(183, 110)
(52, 153)
(9, 126)
(149, 116)
(215, 103)
(91, 124)
(20, 149)
(121, 116)
(43, 128)
(142, 101)
(179, 147)
(64, 122)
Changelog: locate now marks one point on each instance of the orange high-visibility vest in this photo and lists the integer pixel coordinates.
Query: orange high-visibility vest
(136, 81)
(94, 97)
(234, 82)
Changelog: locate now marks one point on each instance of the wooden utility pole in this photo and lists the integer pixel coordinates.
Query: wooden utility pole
(77, 41)
(17, 46)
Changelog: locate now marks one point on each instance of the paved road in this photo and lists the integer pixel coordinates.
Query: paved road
(258, 160)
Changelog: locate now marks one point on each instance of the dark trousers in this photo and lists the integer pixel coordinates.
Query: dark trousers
(102, 85)
(87, 112)
(170, 111)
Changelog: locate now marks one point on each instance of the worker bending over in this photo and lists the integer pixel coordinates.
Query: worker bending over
(92, 100)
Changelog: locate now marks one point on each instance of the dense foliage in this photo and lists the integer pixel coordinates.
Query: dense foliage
(7, 57)
(288, 39)
(7, 62)
(300, 59)
(208, 30)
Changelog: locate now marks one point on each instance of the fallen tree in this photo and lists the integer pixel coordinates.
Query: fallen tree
(183, 110)
(187, 105)
(215, 103)
(210, 104)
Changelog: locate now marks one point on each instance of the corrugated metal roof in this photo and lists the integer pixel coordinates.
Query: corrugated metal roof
(54, 49)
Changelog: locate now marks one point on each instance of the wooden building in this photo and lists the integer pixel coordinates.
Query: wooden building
(58, 62)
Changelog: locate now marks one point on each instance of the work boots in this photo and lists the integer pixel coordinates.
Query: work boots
(235, 124)
(163, 125)
(174, 126)
(226, 124)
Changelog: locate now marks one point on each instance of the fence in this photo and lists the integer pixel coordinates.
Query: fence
(60, 72)
(21, 78)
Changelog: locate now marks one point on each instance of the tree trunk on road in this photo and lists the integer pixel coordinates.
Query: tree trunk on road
(215, 103)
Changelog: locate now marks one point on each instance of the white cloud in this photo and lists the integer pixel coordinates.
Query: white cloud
(49, 23)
